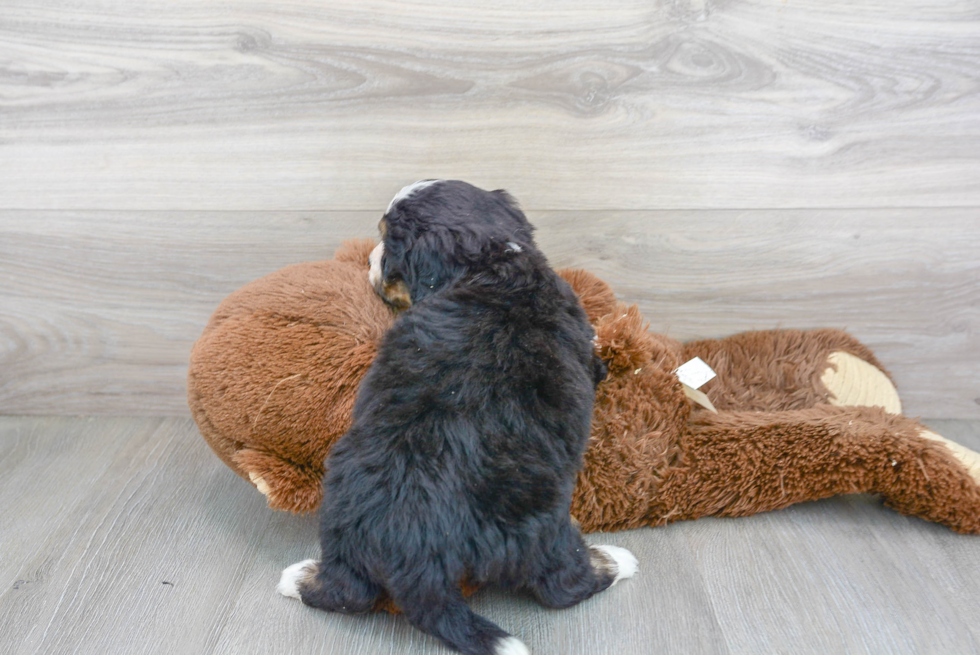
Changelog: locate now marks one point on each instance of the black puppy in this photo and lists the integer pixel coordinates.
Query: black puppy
(468, 430)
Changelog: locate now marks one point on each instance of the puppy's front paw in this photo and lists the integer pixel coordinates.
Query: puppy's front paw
(614, 560)
(294, 575)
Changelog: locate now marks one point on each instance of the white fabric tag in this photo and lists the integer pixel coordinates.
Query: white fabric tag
(695, 373)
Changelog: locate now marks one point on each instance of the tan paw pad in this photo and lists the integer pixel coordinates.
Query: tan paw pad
(260, 483)
(854, 382)
(967, 457)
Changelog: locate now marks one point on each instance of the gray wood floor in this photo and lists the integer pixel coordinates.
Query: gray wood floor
(126, 535)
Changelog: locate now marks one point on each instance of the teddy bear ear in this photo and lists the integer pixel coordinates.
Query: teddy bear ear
(623, 340)
(596, 296)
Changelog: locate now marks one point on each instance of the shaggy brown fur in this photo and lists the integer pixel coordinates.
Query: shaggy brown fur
(774, 369)
(273, 378)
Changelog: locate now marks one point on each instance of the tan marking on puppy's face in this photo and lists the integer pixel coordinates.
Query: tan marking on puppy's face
(396, 294)
(393, 292)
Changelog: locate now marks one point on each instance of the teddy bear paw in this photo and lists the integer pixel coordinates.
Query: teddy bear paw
(968, 458)
(260, 483)
(852, 382)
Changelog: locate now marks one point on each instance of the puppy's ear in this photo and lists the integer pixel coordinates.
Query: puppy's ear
(415, 267)
(509, 204)
(505, 197)
(390, 284)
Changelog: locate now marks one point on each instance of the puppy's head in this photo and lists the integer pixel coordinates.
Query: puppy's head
(435, 230)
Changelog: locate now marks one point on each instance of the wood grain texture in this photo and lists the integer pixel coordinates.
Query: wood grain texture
(620, 104)
(907, 283)
(97, 307)
(98, 310)
(127, 535)
(727, 165)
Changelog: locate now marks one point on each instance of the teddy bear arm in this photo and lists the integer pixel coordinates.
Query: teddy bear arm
(286, 485)
(741, 463)
(224, 447)
(776, 370)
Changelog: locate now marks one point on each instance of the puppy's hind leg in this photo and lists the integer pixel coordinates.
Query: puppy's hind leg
(441, 611)
(329, 585)
(571, 571)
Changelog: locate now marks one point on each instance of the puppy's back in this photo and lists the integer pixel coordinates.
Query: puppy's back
(468, 429)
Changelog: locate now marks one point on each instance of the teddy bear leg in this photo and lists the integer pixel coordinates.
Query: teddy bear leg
(852, 382)
(740, 463)
(286, 485)
(968, 458)
(223, 446)
(945, 493)
(775, 370)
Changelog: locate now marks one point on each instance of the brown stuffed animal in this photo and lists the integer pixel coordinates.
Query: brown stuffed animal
(800, 415)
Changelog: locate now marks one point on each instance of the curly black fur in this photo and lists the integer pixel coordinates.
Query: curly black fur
(469, 429)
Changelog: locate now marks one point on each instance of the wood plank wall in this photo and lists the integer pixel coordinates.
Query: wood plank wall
(727, 165)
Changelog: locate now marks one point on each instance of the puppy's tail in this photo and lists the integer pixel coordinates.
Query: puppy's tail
(446, 616)
(436, 608)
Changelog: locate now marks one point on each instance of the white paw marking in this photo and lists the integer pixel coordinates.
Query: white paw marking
(511, 646)
(626, 564)
(293, 575)
(409, 190)
(374, 275)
